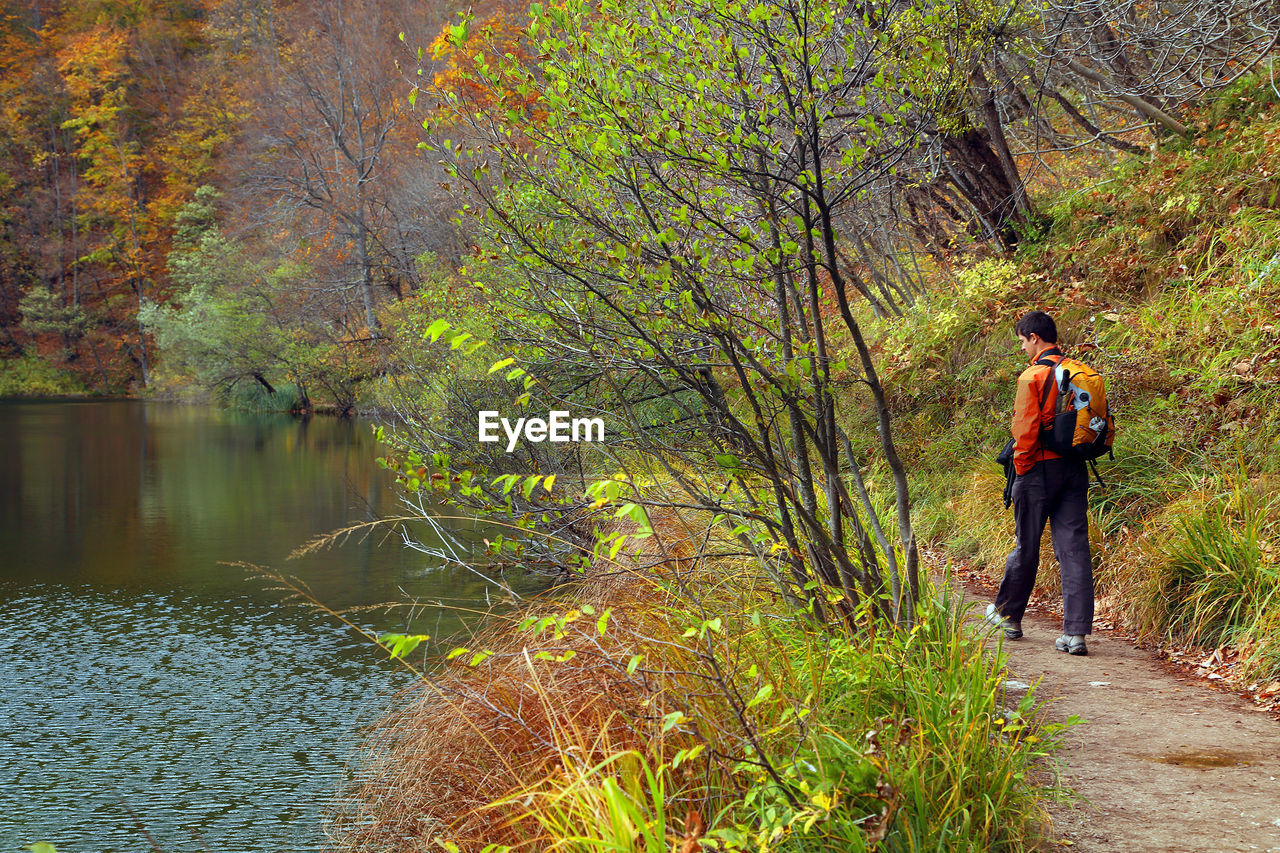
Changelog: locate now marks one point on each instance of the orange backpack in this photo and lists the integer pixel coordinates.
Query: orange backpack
(1083, 426)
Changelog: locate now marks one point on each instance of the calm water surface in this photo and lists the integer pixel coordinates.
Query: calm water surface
(139, 674)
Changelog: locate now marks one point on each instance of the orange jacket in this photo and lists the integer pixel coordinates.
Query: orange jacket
(1029, 417)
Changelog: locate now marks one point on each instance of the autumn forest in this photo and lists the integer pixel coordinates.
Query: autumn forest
(209, 196)
(254, 163)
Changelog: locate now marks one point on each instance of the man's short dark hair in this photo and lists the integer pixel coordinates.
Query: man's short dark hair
(1038, 323)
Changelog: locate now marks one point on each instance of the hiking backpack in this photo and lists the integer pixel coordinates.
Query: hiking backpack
(1083, 426)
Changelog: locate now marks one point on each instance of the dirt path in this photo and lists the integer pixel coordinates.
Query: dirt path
(1163, 763)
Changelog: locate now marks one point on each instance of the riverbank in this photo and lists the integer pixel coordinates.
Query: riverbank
(670, 702)
(36, 380)
(30, 376)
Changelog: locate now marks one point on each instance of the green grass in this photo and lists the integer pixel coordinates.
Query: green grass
(617, 805)
(1217, 580)
(253, 397)
(960, 763)
(703, 710)
(903, 744)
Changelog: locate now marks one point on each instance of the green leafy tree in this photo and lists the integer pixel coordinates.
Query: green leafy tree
(671, 199)
(44, 313)
(226, 323)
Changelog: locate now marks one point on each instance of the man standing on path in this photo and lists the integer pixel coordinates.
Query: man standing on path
(1048, 488)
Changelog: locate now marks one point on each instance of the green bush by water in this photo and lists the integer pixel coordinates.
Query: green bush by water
(891, 741)
(31, 376)
(253, 397)
(756, 731)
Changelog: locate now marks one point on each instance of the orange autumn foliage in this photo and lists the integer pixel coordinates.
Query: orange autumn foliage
(495, 38)
(111, 118)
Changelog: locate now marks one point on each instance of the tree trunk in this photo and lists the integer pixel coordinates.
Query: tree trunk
(995, 131)
(366, 279)
(976, 171)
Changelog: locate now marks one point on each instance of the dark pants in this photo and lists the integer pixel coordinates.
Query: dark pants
(1056, 491)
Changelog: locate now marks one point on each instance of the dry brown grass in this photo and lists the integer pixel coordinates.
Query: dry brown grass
(1129, 580)
(988, 530)
(469, 736)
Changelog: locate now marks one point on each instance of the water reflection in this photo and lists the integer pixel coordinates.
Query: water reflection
(135, 666)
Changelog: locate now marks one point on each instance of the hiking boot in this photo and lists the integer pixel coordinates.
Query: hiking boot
(1012, 630)
(1072, 644)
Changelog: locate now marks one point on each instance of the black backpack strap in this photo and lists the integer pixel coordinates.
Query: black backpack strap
(1094, 466)
(1046, 357)
(1052, 380)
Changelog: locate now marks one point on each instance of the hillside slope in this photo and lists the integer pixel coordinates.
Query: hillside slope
(1163, 271)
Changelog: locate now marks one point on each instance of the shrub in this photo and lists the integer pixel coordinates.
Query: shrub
(1205, 570)
(696, 711)
(1218, 577)
(31, 376)
(253, 397)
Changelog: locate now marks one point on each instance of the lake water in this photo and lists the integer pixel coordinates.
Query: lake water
(146, 684)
